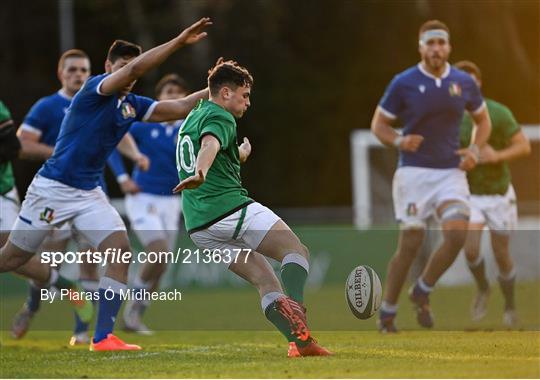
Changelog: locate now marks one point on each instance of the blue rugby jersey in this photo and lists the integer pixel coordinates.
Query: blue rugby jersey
(158, 142)
(433, 108)
(45, 117)
(91, 129)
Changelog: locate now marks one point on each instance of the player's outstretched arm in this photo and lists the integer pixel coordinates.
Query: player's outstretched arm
(129, 148)
(207, 154)
(153, 58)
(381, 127)
(166, 110)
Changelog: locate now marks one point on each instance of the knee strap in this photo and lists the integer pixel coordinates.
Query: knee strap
(456, 211)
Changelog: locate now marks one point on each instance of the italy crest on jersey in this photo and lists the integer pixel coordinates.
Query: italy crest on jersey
(454, 89)
(128, 110)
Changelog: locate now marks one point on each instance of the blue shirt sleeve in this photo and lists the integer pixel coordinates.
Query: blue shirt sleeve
(90, 86)
(473, 95)
(116, 164)
(144, 107)
(38, 116)
(392, 101)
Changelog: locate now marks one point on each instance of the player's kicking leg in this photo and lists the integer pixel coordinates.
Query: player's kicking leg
(258, 228)
(281, 244)
(409, 243)
(283, 312)
(454, 217)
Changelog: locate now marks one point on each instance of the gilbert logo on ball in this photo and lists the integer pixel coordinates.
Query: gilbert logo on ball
(363, 291)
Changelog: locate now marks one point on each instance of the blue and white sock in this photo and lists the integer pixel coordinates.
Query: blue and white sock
(388, 309)
(422, 287)
(109, 305)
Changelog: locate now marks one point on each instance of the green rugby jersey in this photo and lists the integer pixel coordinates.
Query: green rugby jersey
(222, 193)
(491, 179)
(7, 181)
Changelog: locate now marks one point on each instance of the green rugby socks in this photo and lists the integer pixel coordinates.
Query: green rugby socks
(294, 272)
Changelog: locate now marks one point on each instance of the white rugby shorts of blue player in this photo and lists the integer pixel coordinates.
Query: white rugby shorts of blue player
(66, 188)
(433, 108)
(154, 212)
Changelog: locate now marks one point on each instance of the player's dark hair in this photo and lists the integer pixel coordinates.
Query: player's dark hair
(72, 53)
(123, 49)
(469, 67)
(433, 24)
(174, 79)
(228, 73)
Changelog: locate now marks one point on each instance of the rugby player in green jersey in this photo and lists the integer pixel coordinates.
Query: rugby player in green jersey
(493, 200)
(221, 218)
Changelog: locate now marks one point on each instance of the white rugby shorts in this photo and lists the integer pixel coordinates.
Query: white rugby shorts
(418, 192)
(498, 212)
(154, 217)
(49, 204)
(244, 229)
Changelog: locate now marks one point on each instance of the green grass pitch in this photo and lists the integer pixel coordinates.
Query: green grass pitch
(222, 334)
(261, 354)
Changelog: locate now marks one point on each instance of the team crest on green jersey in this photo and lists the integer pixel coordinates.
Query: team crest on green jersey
(47, 215)
(128, 110)
(454, 89)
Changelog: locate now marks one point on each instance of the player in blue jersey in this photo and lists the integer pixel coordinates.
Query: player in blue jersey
(153, 211)
(38, 134)
(66, 187)
(429, 99)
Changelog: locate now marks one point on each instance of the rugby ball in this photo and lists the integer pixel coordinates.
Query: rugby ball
(363, 291)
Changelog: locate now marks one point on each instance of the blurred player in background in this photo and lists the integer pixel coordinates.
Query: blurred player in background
(493, 200)
(9, 150)
(153, 210)
(66, 187)
(221, 217)
(429, 99)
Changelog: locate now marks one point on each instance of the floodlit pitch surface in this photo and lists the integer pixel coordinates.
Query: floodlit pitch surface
(261, 354)
(458, 348)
